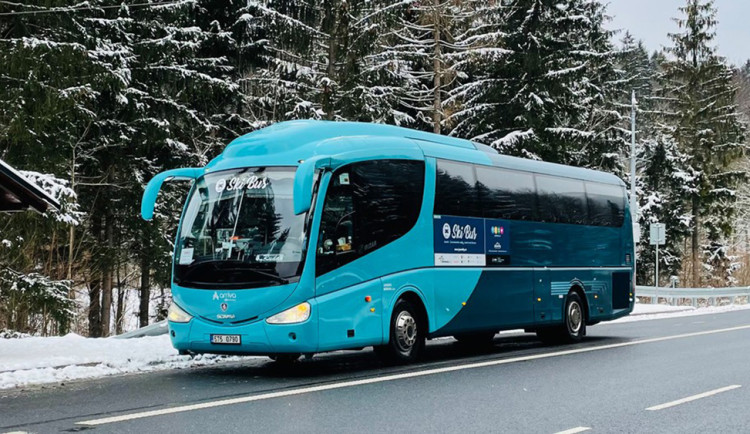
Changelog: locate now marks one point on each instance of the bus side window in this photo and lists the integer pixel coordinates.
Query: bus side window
(506, 194)
(368, 205)
(456, 190)
(561, 200)
(337, 239)
(606, 204)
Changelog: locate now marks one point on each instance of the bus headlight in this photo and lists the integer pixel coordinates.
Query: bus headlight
(176, 314)
(298, 313)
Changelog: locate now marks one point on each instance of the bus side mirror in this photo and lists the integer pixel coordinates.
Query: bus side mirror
(303, 183)
(152, 188)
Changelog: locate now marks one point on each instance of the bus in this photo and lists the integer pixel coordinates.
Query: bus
(313, 236)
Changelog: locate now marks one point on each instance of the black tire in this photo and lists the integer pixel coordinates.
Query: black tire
(575, 319)
(407, 335)
(476, 339)
(573, 328)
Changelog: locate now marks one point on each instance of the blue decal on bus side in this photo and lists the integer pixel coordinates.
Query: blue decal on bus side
(459, 241)
(497, 242)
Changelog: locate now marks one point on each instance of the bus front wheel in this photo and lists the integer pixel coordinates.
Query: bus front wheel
(407, 337)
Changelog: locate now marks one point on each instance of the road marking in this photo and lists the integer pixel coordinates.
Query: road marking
(574, 430)
(693, 398)
(392, 377)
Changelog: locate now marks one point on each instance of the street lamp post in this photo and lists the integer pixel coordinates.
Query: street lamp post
(633, 201)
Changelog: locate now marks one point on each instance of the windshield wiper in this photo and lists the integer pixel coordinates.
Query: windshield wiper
(227, 265)
(265, 274)
(231, 265)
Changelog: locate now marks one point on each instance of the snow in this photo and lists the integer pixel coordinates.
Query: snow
(44, 360)
(644, 312)
(57, 189)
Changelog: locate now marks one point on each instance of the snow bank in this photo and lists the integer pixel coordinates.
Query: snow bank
(42, 360)
(644, 312)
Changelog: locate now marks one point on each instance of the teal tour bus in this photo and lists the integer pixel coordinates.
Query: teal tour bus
(313, 236)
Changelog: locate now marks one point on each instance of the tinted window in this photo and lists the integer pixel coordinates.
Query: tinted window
(561, 200)
(456, 192)
(606, 204)
(506, 194)
(368, 205)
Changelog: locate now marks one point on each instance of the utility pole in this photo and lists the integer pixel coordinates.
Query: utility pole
(633, 201)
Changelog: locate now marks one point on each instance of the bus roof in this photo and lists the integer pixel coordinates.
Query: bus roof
(288, 143)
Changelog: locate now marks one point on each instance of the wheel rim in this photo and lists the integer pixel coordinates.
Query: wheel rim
(406, 331)
(575, 317)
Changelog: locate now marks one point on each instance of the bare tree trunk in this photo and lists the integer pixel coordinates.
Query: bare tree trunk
(145, 291)
(437, 108)
(71, 232)
(120, 299)
(95, 284)
(120, 310)
(107, 278)
(695, 250)
(95, 325)
(331, 68)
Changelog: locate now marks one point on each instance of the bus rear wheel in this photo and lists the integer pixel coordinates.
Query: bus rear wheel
(407, 337)
(573, 328)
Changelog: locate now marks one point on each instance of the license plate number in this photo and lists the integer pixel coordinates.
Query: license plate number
(226, 339)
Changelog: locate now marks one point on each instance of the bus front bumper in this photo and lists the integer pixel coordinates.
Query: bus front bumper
(257, 338)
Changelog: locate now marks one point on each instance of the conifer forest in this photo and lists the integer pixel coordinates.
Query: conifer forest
(98, 96)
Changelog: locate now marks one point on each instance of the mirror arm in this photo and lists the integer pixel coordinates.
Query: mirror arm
(152, 188)
(303, 182)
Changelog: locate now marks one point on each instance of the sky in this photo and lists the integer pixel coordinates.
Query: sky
(650, 21)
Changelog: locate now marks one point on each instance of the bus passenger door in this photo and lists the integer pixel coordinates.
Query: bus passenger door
(543, 298)
(351, 317)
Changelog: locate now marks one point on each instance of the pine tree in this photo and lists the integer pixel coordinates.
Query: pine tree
(425, 49)
(703, 120)
(322, 61)
(547, 88)
(123, 93)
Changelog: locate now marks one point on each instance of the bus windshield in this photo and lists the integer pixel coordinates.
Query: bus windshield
(240, 231)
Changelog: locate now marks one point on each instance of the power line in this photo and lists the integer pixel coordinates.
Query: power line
(84, 8)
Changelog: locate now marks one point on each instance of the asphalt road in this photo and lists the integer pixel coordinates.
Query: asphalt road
(679, 375)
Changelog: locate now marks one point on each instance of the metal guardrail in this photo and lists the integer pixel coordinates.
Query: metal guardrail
(155, 329)
(672, 295)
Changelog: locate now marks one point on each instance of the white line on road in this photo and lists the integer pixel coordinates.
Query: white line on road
(574, 430)
(693, 398)
(392, 377)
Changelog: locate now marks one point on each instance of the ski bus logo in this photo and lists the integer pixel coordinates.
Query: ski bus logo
(221, 185)
(446, 231)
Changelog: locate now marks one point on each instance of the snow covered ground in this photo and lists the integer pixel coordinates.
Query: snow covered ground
(37, 360)
(643, 312)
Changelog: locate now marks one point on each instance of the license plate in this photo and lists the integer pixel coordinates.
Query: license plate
(226, 339)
